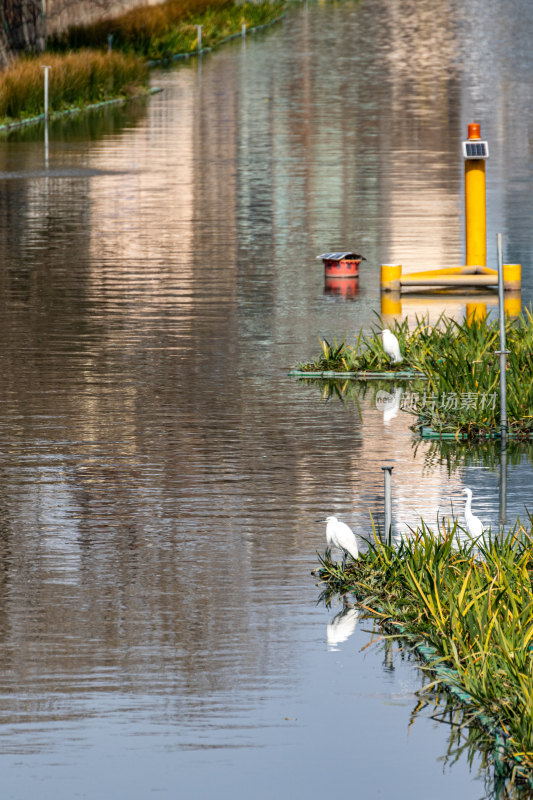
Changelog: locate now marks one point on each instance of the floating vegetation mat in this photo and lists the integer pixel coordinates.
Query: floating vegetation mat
(409, 374)
(467, 608)
(430, 433)
(461, 367)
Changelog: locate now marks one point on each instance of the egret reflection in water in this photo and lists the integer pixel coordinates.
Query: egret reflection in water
(390, 403)
(342, 626)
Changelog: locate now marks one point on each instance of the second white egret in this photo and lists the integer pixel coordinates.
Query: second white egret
(474, 525)
(340, 535)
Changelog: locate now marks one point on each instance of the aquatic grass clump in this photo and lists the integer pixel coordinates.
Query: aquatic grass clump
(463, 385)
(161, 31)
(472, 602)
(75, 79)
(461, 366)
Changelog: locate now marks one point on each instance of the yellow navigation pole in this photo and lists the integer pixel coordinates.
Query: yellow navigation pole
(475, 152)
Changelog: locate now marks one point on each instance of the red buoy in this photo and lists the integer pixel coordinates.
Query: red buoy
(341, 265)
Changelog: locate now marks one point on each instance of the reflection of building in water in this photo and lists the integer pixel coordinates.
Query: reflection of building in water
(419, 149)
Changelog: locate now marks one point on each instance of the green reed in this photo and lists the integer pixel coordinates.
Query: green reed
(472, 602)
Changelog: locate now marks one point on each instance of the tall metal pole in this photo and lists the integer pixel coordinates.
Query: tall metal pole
(502, 352)
(387, 530)
(199, 29)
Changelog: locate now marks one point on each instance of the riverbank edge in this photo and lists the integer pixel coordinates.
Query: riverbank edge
(450, 680)
(8, 126)
(196, 53)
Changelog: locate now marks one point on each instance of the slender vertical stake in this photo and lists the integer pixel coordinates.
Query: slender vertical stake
(503, 485)
(46, 143)
(199, 29)
(243, 29)
(46, 70)
(387, 531)
(109, 42)
(502, 352)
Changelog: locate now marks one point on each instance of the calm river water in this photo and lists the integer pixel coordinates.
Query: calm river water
(164, 484)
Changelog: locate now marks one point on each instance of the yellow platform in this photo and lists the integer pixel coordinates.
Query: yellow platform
(393, 279)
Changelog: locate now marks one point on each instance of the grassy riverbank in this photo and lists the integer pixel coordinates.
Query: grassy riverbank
(75, 80)
(472, 603)
(462, 370)
(83, 72)
(159, 32)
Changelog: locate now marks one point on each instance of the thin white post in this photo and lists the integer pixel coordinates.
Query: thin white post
(243, 29)
(46, 70)
(199, 29)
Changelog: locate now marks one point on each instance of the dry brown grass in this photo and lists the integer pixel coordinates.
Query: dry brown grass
(75, 79)
(136, 29)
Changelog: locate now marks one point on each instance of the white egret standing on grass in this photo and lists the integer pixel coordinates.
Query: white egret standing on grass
(474, 525)
(339, 535)
(391, 346)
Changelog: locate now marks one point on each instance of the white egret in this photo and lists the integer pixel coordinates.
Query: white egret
(391, 346)
(339, 535)
(474, 525)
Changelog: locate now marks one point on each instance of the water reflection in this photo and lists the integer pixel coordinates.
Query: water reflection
(464, 737)
(342, 626)
(389, 402)
(347, 288)
(459, 306)
(160, 475)
(447, 465)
